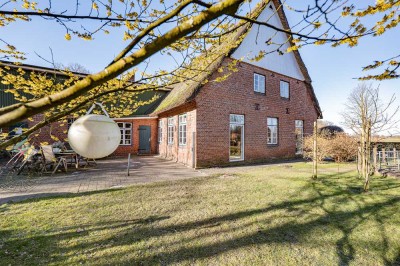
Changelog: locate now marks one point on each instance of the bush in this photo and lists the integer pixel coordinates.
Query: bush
(341, 147)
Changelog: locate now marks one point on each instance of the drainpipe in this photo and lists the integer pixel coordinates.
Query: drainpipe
(193, 150)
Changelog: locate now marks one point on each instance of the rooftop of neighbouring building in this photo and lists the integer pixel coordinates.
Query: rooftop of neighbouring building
(7, 99)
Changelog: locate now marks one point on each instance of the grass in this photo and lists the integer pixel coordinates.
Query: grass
(272, 215)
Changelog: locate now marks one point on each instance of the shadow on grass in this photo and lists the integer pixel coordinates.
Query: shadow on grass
(3, 208)
(324, 192)
(396, 261)
(36, 197)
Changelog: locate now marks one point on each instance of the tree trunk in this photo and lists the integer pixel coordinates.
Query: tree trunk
(359, 162)
(366, 184)
(367, 154)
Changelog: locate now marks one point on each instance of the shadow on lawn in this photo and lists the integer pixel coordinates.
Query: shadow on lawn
(324, 191)
(24, 199)
(396, 261)
(3, 208)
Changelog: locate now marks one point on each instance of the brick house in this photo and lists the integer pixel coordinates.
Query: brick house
(257, 113)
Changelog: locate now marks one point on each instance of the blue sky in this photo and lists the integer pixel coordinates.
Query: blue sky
(333, 70)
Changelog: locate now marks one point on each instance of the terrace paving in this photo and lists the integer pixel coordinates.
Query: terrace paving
(107, 174)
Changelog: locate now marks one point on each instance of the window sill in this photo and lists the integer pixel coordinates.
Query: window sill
(285, 99)
(259, 93)
(235, 160)
(272, 145)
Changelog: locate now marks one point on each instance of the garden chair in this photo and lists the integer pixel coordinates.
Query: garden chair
(28, 158)
(19, 160)
(50, 159)
(16, 148)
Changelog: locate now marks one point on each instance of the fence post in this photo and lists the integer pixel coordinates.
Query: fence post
(129, 163)
(375, 154)
(383, 154)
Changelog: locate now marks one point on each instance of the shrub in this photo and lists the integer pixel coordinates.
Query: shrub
(341, 147)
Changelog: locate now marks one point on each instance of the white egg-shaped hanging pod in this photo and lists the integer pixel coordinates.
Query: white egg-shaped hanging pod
(94, 136)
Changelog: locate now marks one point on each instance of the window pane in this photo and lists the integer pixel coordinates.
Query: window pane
(272, 130)
(299, 136)
(299, 123)
(235, 142)
(284, 87)
(272, 121)
(126, 132)
(262, 84)
(259, 83)
(237, 119)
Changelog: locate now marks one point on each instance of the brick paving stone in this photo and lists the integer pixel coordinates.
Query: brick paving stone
(110, 173)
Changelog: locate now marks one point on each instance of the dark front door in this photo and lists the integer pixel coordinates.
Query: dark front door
(144, 139)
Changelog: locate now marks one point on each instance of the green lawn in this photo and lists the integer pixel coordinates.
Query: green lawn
(268, 216)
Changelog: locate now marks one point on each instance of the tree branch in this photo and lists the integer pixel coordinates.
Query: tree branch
(62, 16)
(117, 68)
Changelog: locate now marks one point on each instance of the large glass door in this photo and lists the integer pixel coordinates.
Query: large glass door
(299, 131)
(236, 135)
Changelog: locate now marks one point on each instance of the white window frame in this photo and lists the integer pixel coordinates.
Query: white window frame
(160, 130)
(182, 129)
(284, 89)
(170, 132)
(236, 119)
(273, 127)
(125, 131)
(259, 83)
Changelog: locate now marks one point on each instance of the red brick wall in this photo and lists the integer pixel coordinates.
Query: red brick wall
(59, 129)
(56, 129)
(123, 150)
(181, 154)
(236, 95)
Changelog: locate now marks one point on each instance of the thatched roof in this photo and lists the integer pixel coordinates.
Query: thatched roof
(186, 91)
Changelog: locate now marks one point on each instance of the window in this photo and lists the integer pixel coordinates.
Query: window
(126, 133)
(160, 130)
(272, 135)
(182, 129)
(259, 83)
(236, 135)
(284, 89)
(170, 130)
(70, 121)
(299, 131)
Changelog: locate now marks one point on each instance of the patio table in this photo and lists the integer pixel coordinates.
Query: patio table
(69, 154)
